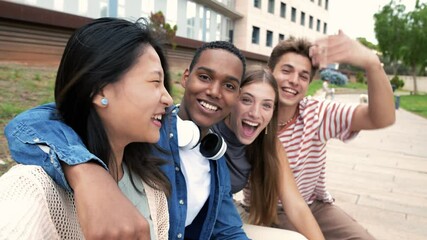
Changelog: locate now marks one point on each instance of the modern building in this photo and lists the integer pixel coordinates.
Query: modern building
(252, 25)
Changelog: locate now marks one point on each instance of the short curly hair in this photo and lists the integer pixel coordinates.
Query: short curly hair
(227, 46)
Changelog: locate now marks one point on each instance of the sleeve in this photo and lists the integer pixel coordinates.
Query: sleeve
(228, 224)
(336, 121)
(38, 137)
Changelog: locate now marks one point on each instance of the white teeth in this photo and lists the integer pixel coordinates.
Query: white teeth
(158, 117)
(251, 123)
(289, 90)
(208, 106)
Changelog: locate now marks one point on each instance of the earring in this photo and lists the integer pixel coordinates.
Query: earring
(266, 130)
(104, 101)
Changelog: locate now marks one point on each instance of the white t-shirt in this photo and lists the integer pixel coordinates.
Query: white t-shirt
(197, 174)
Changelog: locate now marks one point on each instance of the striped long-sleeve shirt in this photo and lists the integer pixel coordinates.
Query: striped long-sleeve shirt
(305, 143)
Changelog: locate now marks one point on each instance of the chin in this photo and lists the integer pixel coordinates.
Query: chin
(153, 139)
(245, 140)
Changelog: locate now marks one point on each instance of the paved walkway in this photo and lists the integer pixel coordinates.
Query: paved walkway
(380, 178)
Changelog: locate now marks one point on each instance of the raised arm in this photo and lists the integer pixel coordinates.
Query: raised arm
(294, 205)
(379, 113)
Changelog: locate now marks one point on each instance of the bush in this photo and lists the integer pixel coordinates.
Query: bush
(360, 77)
(334, 77)
(396, 82)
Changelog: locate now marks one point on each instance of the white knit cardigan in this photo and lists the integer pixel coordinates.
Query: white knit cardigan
(33, 206)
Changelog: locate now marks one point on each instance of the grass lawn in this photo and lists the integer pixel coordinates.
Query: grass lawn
(314, 87)
(23, 87)
(415, 103)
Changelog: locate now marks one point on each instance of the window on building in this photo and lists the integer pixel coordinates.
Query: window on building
(325, 28)
(255, 35)
(282, 10)
(318, 25)
(310, 22)
(281, 37)
(104, 10)
(269, 37)
(319, 3)
(257, 3)
(302, 18)
(326, 4)
(271, 6)
(191, 20)
(294, 15)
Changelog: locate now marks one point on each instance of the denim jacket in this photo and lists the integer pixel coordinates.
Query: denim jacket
(29, 131)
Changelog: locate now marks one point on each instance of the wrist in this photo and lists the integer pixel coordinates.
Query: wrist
(374, 64)
(84, 173)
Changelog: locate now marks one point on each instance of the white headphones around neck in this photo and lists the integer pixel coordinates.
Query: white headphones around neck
(212, 146)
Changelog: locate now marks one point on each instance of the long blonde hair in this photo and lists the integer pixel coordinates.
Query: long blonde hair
(262, 155)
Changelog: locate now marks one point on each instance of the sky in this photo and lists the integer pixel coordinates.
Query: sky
(356, 17)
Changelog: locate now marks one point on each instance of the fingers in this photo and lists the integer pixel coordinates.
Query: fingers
(332, 49)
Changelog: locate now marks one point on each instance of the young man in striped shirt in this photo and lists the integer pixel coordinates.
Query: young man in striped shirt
(307, 124)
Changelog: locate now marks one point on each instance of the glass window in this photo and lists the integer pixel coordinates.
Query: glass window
(325, 28)
(318, 25)
(281, 37)
(257, 3)
(271, 6)
(255, 35)
(283, 10)
(326, 4)
(319, 3)
(147, 7)
(310, 22)
(294, 15)
(104, 9)
(191, 19)
(269, 37)
(302, 19)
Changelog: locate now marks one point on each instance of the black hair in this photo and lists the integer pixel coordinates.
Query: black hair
(227, 46)
(98, 54)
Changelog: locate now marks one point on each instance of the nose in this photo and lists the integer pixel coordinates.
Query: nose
(293, 78)
(255, 111)
(214, 89)
(166, 98)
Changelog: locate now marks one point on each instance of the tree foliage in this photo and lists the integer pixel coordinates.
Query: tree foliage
(390, 24)
(162, 28)
(402, 35)
(367, 44)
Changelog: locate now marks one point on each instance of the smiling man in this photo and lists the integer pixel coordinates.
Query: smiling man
(305, 124)
(200, 204)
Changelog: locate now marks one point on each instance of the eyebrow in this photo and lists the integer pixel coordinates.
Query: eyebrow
(291, 66)
(266, 99)
(160, 73)
(212, 72)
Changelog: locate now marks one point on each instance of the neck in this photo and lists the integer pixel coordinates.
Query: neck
(115, 164)
(286, 113)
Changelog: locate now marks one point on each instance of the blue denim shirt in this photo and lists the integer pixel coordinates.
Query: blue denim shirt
(41, 126)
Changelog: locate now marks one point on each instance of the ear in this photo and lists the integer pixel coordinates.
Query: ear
(96, 100)
(184, 78)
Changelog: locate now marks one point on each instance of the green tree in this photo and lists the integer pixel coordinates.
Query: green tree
(367, 44)
(162, 28)
(390, 25)
(402, 36)
(414, 52)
